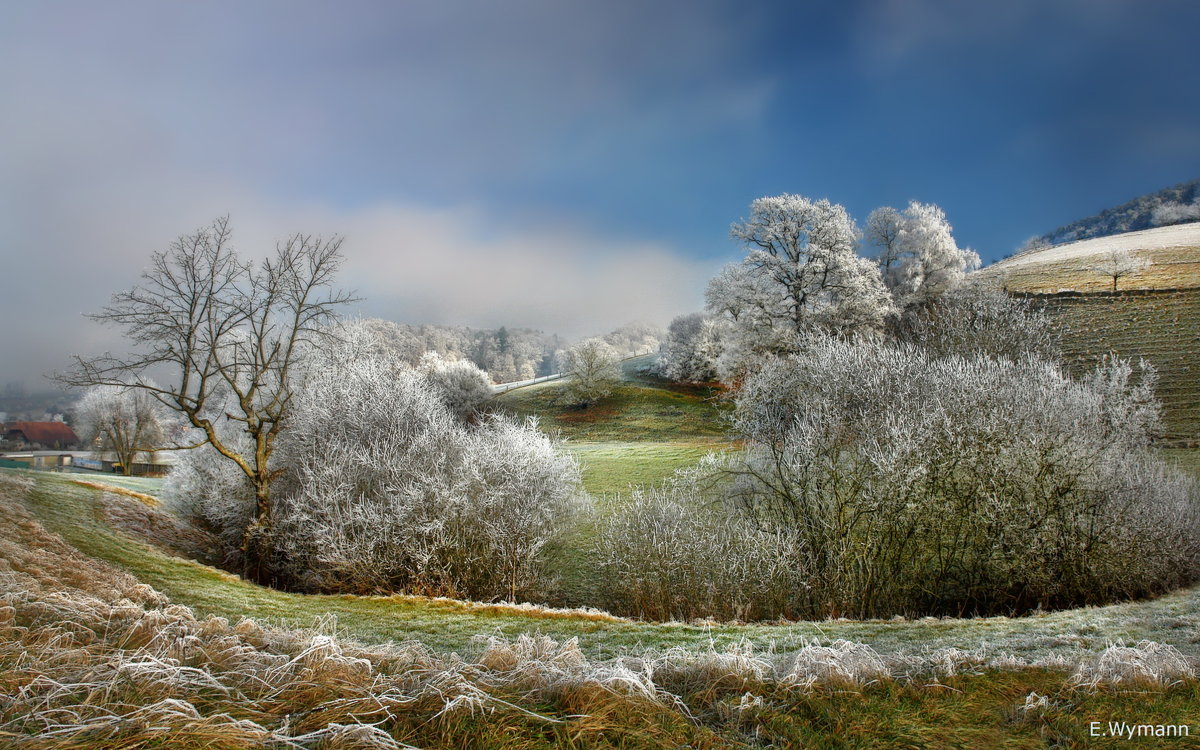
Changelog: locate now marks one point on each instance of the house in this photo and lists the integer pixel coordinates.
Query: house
(45, 435)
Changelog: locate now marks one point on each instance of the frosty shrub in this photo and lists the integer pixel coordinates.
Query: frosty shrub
(979, 319)
(462, 387)
(384, 489)
(917, 484)
(212, 493)
(664, 555)
(691, 349)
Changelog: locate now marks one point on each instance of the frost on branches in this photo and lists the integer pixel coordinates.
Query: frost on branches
(692, 348)
(383, 487)
(805, 251)
(802, 274)
(125, 421)
(592, 369)
(961, 484)
(918, 257)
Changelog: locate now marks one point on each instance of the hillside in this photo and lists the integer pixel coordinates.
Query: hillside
(1155, 314)
(1174, 253)
(1163, 327)
(1167, 206)
(639, 435)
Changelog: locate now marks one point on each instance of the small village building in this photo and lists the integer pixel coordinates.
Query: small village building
(40, 436)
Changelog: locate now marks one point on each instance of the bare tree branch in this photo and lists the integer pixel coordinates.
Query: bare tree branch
(230, 334)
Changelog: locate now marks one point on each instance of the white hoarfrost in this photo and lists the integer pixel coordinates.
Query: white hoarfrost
(805, 254)
(1146, 663)
(382, 487)
(592, 368)
(128, 422)
(1085, 251)
(918, 258)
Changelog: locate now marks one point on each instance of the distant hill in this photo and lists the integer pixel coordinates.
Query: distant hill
(1174, 254)
(1174, 205)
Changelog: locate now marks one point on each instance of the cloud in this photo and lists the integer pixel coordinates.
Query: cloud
(410, 263)
(414, 131)
(441, 266)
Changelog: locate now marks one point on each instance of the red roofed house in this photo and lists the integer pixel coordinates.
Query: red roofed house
(45, 435)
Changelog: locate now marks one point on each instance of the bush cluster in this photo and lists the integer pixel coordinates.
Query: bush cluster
(383, 487)
(961, 484)
(665, 555)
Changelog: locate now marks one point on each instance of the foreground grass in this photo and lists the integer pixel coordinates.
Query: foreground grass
(535, 696)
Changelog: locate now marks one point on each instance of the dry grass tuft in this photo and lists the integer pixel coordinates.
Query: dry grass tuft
(1148, 664)
(842, 662)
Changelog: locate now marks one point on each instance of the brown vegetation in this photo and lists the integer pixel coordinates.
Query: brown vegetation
(90, 657)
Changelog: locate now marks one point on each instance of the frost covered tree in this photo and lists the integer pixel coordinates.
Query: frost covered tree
(461, 386)
(918, 256)
(884, 225)
(635, 339)
(691, 349)
(1117, 264)
(801, 274)
(124, 421)
(1175, 212)
(592, 368)
(232, 333)
(805, 252)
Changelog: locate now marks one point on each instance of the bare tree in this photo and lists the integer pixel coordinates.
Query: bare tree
(229, 333)
(1118, 263)
(125, 421)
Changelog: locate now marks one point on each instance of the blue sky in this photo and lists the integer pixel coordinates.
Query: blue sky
(567, 166)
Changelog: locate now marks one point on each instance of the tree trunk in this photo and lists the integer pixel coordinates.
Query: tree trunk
(126, 459)
(256, 543)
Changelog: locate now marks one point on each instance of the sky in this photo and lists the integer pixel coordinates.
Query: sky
(567, 166)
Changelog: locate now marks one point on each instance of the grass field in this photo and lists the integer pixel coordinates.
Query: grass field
(642, 408)
(638, 436)
(614, 467)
